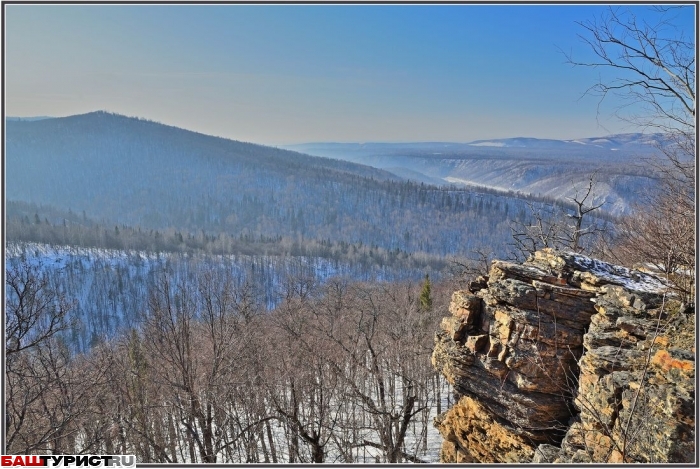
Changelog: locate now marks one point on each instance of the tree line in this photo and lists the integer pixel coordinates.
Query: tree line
(21, 227)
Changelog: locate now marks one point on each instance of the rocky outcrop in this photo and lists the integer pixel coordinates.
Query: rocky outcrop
(636, 389)
(559, 358)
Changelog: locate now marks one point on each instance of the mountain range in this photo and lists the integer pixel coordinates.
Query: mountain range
(553, 168)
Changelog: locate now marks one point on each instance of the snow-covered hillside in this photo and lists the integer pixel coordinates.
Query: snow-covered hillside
(109, 288)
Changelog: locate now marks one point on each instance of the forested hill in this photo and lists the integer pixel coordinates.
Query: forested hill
(126, 146)
(128, 171)
(139, 172)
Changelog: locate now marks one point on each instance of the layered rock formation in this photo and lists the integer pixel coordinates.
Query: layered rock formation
(559, 359)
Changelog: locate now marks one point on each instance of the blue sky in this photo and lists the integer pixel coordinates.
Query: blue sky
(277, 74)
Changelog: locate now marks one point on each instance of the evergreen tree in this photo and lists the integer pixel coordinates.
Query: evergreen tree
(426, 300)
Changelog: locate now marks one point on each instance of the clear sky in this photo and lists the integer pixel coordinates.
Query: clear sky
(277, 74)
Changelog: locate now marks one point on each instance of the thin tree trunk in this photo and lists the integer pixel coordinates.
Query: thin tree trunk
(172, 437)
(273, 452)
(261, 437)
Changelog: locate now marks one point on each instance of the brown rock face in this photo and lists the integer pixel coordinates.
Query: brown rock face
(487, 440)
(636, 392)
(546, 354)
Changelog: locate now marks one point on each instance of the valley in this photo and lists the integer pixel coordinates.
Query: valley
(523, 166)
(101, 186)
(151, 242)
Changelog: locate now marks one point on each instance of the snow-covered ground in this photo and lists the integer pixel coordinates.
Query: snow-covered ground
(630, 279)
(110, 289)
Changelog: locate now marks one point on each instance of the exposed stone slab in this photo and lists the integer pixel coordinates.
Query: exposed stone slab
(471, 434)
(503, 269)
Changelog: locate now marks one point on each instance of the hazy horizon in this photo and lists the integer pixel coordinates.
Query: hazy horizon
(340, 142)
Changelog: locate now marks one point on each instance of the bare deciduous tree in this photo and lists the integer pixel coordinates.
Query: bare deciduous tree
(655, 68)
(35, 361)
(35, 312)
(560, 227)
(654, 65)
